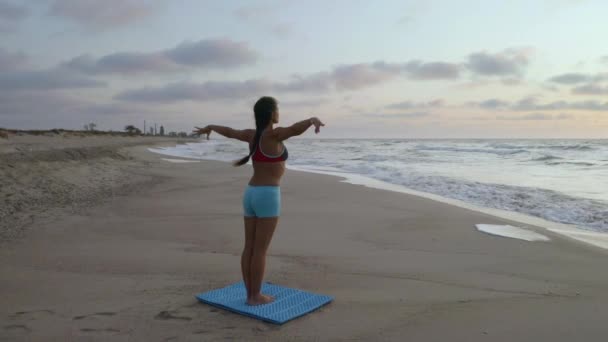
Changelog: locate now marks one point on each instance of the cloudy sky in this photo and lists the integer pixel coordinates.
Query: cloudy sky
(398, 69)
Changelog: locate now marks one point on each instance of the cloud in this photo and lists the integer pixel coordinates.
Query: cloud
(122, 62)
(12, 12)
(283, 30)
(222, 53)
(10, 15)
(591, 89)
(564, 116)
(341, 78)
(604, 59)
(44, 80)
(549, 87)
(412, 12)
(344, 77)
(531, 104)
(18, 110)
(266, 17)
(576, 78)
(474, 84)
(50, 104)
(208, 53)
(222, 90)
(510, 62)
(571, 78)
(317, 82)
(409, 115)
(581, 105)
(432, 71)
(356, 76)
(253, 11)
(406, 19)
(402, 105)
(305, 103)
(511, 81)
(493, 104)
(60, 109)
(414, 115)
(10, 61)
(212, 90)
(410, 104)
(102, 15)
(536, 117)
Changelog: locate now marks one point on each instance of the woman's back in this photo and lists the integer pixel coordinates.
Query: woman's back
(268, 160)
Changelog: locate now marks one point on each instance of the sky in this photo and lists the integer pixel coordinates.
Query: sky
(368, 69)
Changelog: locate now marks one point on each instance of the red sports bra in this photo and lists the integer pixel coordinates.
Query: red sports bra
(260, 156)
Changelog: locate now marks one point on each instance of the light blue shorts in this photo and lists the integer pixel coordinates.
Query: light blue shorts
(262, 201)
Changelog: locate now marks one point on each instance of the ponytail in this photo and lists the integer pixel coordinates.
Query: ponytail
(262, 109)
(252, 147)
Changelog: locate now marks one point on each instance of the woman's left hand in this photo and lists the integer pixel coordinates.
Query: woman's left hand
(317, 123)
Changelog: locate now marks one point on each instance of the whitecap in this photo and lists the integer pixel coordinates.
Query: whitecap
(511, 232)
(180, 160)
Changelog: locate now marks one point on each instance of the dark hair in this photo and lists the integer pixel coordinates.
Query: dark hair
(262, 110)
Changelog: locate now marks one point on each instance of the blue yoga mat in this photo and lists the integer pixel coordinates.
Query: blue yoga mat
(288, 304)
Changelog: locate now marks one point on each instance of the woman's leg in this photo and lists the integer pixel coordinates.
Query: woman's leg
(264, 229)
(248, 252)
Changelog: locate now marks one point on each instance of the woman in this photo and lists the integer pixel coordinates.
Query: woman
(262, 197)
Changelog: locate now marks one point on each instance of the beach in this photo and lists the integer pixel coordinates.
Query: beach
(65, 171)
(126, 266)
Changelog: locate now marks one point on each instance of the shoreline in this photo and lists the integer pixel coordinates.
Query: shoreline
(572, 232)
(587, 237)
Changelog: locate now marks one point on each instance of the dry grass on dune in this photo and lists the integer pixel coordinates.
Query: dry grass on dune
(6, 133)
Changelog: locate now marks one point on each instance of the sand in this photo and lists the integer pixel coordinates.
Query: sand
(65, 172)
(401, 267)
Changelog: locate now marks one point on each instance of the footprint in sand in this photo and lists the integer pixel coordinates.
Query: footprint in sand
(199, 332)
(94, 315)
(104, 330)
(221, 312)
(17, 328)
(260, 329)
(31, 315)
(98, 331)
(171, 315)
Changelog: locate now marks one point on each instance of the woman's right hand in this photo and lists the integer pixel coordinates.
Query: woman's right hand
(201, 131)
(317, 123)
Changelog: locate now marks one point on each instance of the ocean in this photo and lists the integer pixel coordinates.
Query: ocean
(561, 181)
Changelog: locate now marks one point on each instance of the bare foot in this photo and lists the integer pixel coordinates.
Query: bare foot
(261, 299)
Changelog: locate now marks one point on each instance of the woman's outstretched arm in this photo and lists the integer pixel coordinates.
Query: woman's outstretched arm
(239, 134)
(283, 133)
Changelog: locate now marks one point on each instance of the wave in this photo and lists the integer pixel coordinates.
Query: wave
(546, 157)
(422, 166)
(547, 204)
(572, 147)
(375, 158)
(577, 147)
(572, 163)
(471, 150)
